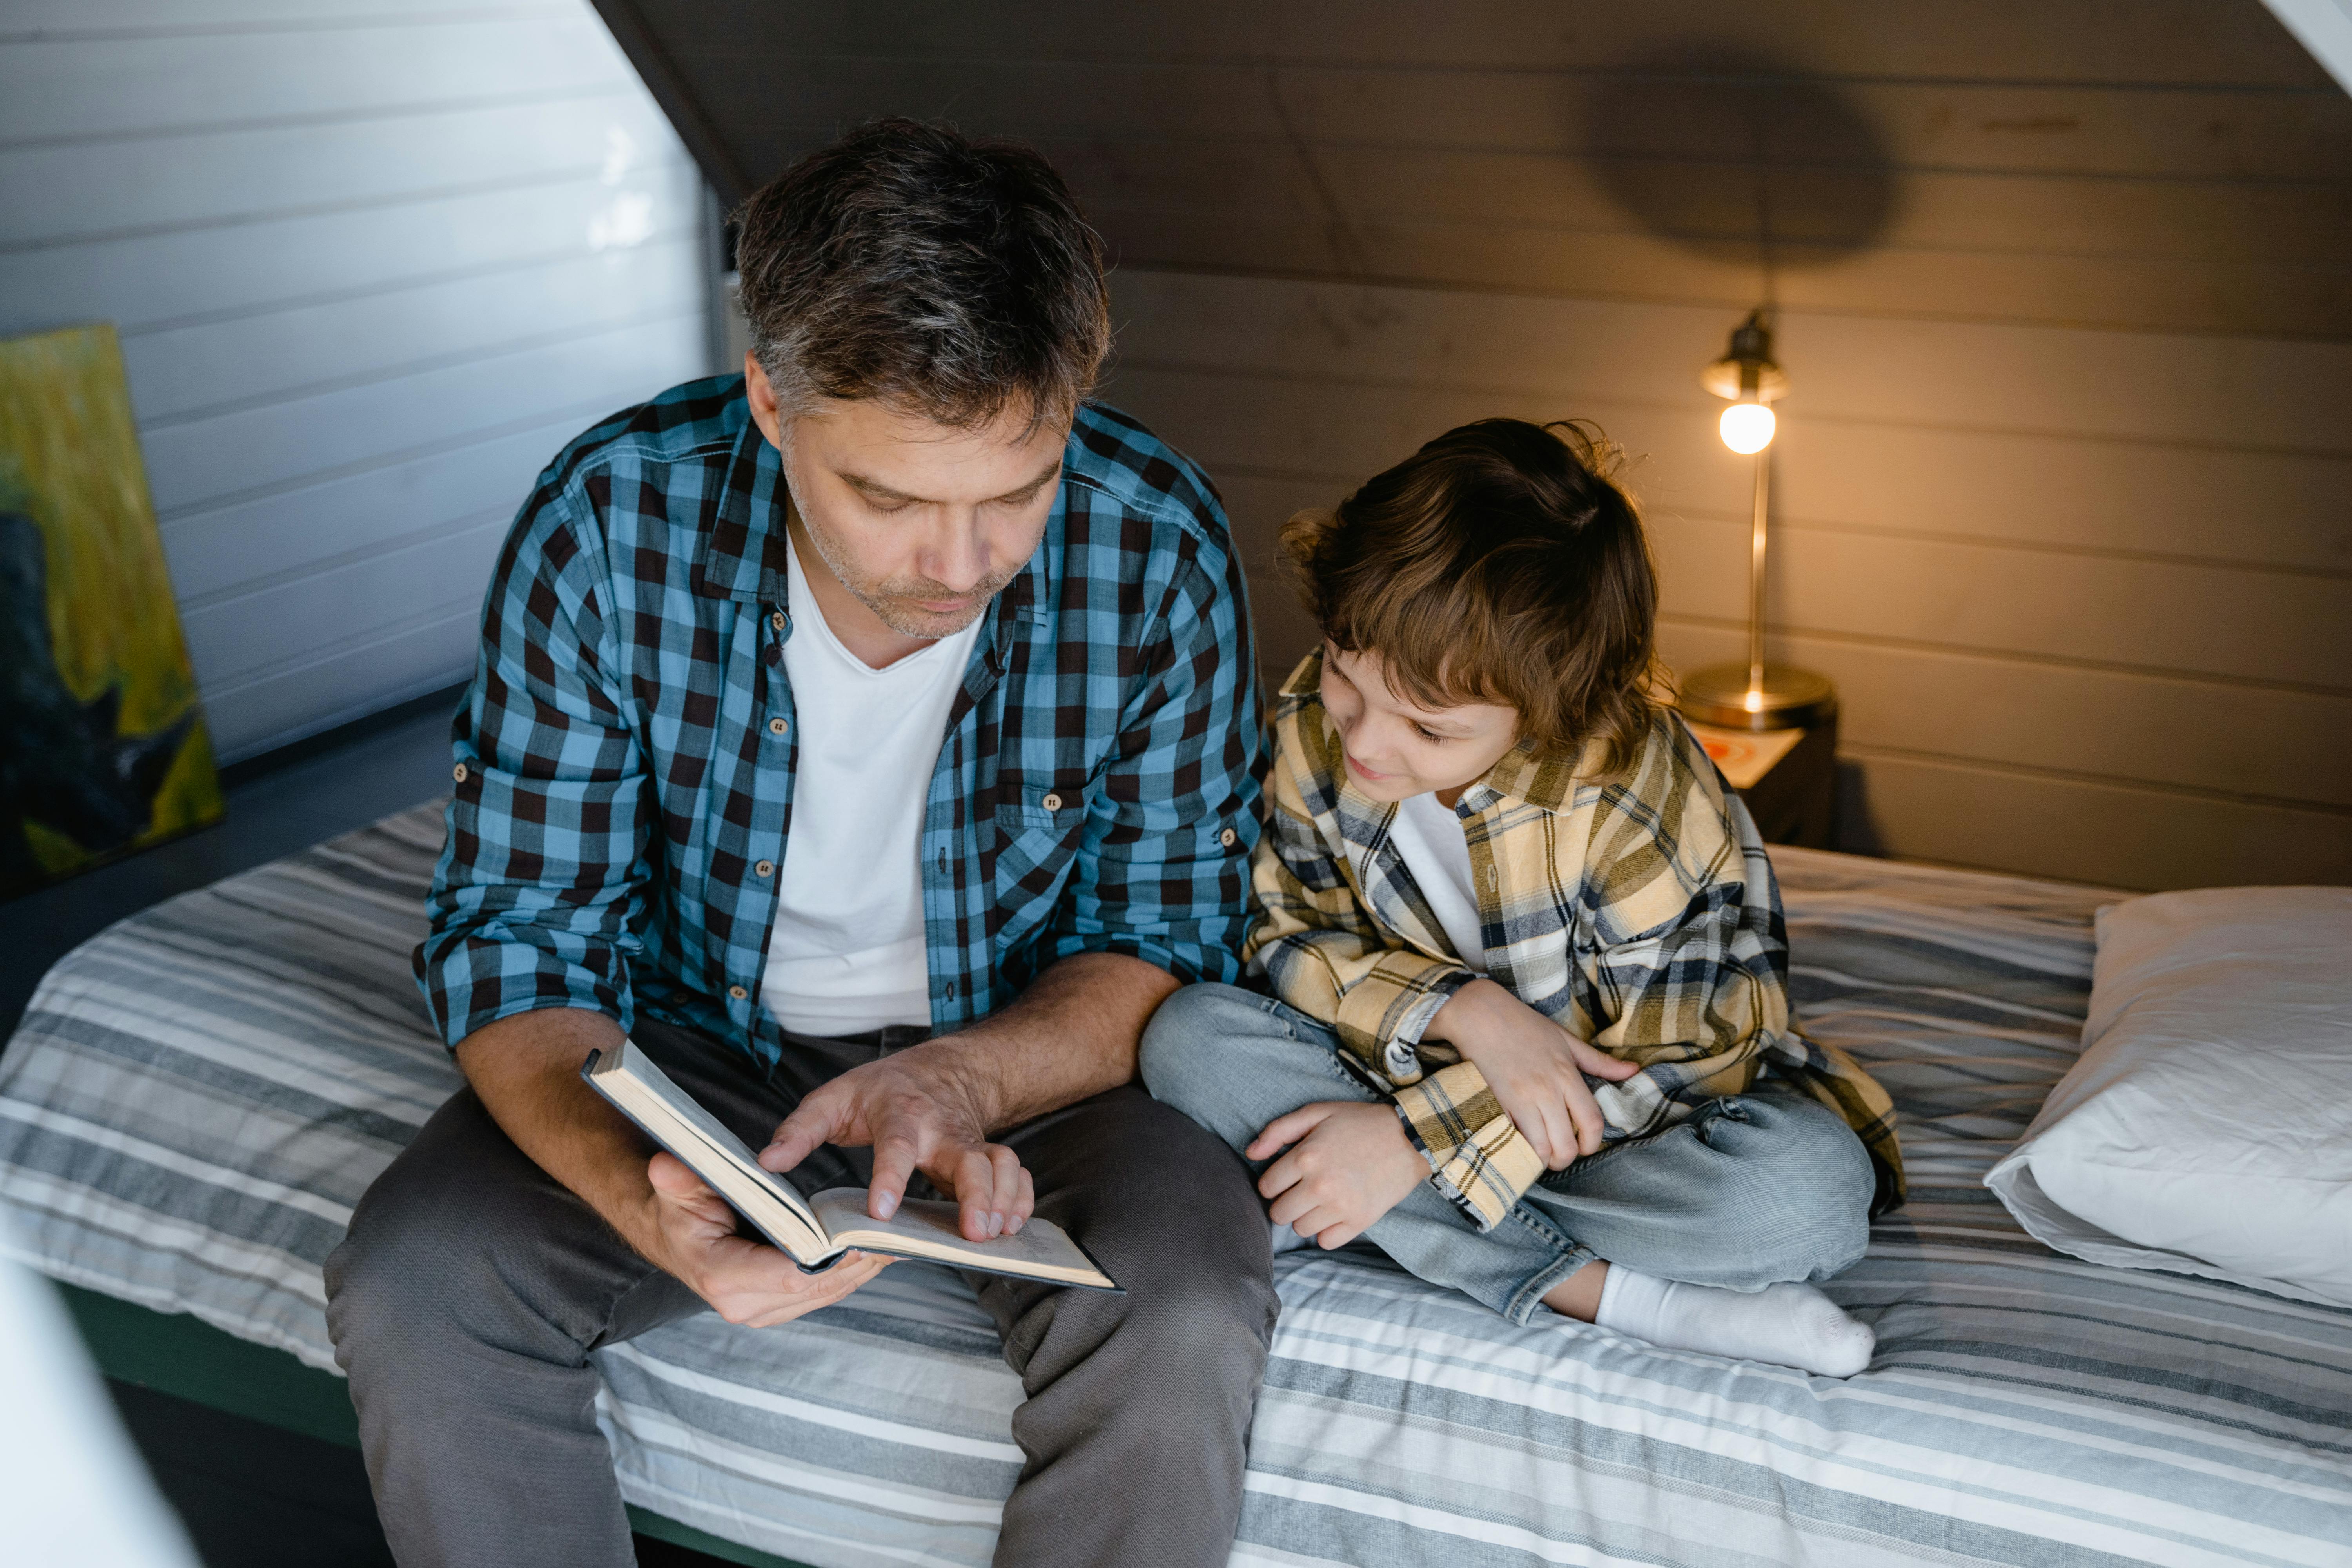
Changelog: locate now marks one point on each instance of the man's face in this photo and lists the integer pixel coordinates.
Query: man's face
(922, 522)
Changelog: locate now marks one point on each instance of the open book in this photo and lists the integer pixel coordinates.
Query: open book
(813, 1232)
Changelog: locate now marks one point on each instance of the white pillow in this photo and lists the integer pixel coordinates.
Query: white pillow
(2208, 1128)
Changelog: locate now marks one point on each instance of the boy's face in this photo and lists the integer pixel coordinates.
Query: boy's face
(1397, 749)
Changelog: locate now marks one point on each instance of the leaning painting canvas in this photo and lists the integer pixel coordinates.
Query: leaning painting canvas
(103, 744)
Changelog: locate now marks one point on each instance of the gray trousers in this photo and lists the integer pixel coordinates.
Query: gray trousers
(472, 1285)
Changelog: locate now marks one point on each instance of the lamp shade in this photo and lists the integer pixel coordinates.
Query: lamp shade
(1746, 372)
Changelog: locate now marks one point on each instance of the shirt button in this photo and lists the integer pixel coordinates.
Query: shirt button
(737, 992)
(764, 868)
(777, 726)
(777, 620)
(459, 772)
(1052, 803)
(950, 990)
(1229, 838)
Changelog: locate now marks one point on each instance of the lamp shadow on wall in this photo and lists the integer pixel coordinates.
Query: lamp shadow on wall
(1743, 159)
(1765, 168)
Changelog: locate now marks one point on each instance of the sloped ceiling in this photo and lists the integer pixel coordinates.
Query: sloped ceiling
(2148, 164)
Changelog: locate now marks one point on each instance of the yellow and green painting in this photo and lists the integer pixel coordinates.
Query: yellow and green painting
(103, 744)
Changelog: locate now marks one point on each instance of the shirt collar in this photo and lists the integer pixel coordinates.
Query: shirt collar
(743, 543)
(1543, 780)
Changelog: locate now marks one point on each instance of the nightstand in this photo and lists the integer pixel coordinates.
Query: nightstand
(1788, 777)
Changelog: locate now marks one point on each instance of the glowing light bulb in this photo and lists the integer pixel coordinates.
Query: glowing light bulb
(1748, 426)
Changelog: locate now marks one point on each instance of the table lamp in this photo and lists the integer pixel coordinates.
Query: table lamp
(1754, 695)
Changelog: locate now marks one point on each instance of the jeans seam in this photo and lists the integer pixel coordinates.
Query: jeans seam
(1572, 1260)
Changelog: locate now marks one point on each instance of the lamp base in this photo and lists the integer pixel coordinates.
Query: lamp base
(1789, 698)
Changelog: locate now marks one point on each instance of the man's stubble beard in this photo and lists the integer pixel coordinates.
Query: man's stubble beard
(894, 604)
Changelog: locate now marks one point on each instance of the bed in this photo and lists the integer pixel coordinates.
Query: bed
(197, 1097)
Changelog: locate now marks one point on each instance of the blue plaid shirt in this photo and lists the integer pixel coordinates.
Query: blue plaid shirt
(624, 758)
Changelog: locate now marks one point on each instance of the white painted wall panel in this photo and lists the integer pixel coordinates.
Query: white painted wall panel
(225, 270)
(212, 366)
(215, 552)
(373, 263)
(247, 450)
(81, 86)
(106, 186)
(315, 693)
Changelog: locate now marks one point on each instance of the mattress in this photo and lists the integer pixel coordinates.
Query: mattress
(197, 1097)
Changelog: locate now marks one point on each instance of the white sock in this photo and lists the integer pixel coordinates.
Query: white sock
(1788, 1324)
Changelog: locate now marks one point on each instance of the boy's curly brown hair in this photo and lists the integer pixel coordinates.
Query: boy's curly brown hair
(1499, 563)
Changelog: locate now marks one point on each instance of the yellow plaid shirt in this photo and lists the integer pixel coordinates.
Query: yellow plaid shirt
(1637, 911)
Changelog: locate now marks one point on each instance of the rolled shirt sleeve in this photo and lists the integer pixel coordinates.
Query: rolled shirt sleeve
(1160, 872)
(542, 879)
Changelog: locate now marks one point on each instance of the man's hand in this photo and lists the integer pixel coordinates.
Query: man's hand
(1354, 1165)
(920, 1112)
(527, 1071)
(745, 1281)
(1536, 1069)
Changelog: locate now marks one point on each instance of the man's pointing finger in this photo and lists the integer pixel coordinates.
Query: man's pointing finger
(799, 1135)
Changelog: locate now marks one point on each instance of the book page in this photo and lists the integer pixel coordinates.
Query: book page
(672, 1119)
(713, 1132)
(815, 1234)
(923, 1228)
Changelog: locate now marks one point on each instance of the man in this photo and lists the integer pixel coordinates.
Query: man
(873, 741)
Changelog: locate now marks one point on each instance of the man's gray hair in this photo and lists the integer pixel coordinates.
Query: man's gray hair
(955, 278)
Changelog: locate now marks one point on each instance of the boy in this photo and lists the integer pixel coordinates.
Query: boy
(1528, 1029)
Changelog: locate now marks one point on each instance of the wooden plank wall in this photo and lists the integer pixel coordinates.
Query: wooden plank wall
(373, 263)
(2065, 287)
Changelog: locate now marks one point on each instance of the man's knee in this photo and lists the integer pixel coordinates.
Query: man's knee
(400, 1264)
(1196, 1336)
(1203, 1297)
(1213, 1319)
(438, 1250)
(373, 1313)
(1178, 1224)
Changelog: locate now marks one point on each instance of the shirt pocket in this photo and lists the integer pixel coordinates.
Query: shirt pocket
(1028, 806)
(1037, 831)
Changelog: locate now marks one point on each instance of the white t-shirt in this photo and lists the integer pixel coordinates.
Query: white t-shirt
(847, 954)
(1429, 837)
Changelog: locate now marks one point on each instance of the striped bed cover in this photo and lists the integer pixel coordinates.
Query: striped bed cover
(197, 1097)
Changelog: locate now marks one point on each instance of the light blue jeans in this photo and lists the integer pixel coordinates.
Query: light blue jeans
(1746, 1192)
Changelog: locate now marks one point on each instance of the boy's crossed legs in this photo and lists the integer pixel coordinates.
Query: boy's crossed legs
(1744, 1199)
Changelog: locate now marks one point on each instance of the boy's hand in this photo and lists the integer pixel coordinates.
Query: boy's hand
(1354, 1165)
(1536, 1069)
